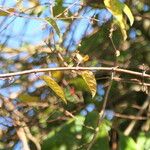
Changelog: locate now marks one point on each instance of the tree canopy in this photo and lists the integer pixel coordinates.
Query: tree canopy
(75, 74)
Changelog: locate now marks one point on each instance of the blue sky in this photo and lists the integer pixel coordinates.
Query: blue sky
(33, 28)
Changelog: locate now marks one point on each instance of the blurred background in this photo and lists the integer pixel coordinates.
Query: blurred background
(77, 34)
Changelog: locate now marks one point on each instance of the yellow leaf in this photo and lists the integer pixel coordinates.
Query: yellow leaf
(85, 58)
(89, 78)
(57, 75)
(113, 6)
(128, 12)
(55, 87)
(117, 8)
(34, 3)
(28, 98)
(6, 12)
(81, 58)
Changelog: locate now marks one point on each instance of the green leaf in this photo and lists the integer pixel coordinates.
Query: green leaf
(94, 3)
(89, 78)
(143, 141)
(90, 124)
(79, 84)
(55, 87)
(52, 22)
(103, 136)
(65, 137)
(126, 142)
(76, 133)
(28, 98)
(58, 8)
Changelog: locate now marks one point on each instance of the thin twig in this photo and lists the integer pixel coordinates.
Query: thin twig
(107, 69)
(131, 117)
(67, 9)
(113, 44)
(134, 81)
(33, 104)
(79, 17)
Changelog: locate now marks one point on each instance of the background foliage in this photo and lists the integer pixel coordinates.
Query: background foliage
(68, 33)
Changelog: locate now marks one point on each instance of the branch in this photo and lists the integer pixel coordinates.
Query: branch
(133, 81)
(143, 16)
(130, 127)
(107, 69)
(101, 115)
(31, 137)
(22, 136)
(19, 123)
(131, 117)
(67, 8)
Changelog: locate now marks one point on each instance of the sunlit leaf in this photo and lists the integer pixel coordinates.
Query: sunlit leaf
(143, 141)
(128, 12)
(79, 84)
(6, 12)
(57, 75)
(90, 124)
(80, 58)
(53, 23)
(28, 98)
(55, 87)
(103, 136)
(89, 78)
(126, 142)
(34, 2)
(117, 8)
(85, 58)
